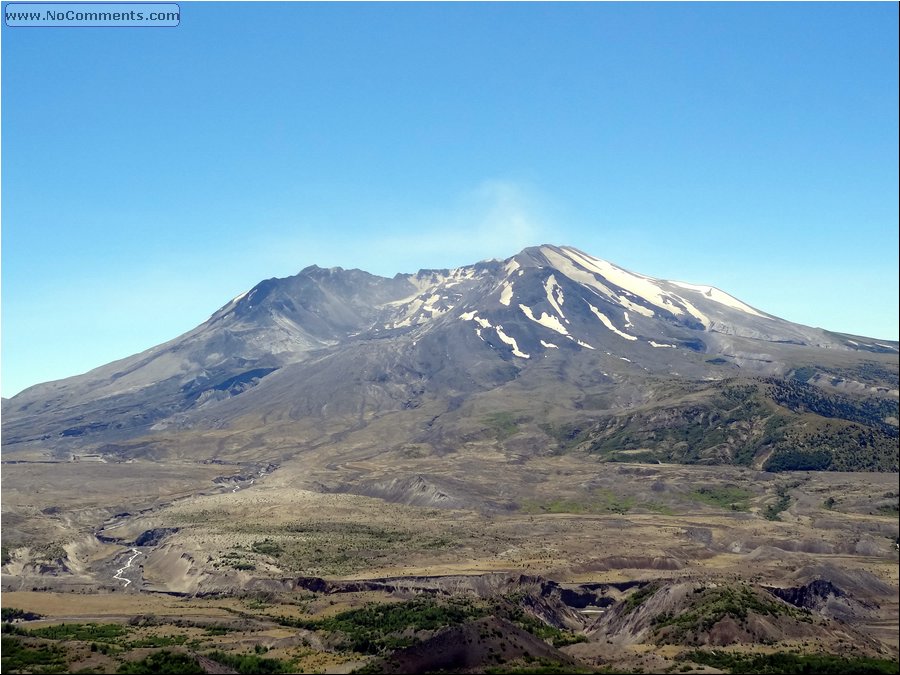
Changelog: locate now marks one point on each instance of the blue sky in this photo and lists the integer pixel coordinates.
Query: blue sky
(149, 175)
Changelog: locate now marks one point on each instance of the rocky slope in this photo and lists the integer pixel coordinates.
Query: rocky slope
(556, 346)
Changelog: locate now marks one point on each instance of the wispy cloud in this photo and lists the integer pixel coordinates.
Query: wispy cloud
(495, 218)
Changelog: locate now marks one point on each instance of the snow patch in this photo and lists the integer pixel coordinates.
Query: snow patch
(661, 344)
(638, 284)
(511, 341)
(634, 307)
(506, 294)
(714, 294)
(511, 266)
(696, 313)
(550, 286)
(548, 345)
(609, 324)
(586, 278)
(546, 320)
(429, 306)
(473, 316)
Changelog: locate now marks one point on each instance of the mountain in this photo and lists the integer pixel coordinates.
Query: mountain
(551, 348)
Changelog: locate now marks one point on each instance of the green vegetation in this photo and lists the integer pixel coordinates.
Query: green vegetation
(513, 613)
(892, 509)
(219, 630)
(804, 374)
(799, 425)
(598, 501)
(871, 372)
(162, 662)
(21, 658)
(727, 497)
(375, 628)
(566, 436)
(789, 459)
(157, 641)
(48, 552)
(503, 424)
(785, 662)
(328, 548)
(637, 598)
(13, 613)
(713, 605)
(801, 397)
(709, 430)
(251, 663)
(87, 632)
(783, 502)
(537, 666)
(267, 547)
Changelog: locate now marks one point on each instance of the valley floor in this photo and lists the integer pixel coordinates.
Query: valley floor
(554, 562)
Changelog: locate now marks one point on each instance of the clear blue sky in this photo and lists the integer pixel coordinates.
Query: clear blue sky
(149, 175)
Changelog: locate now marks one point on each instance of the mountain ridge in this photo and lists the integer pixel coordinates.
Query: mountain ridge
(347, 346)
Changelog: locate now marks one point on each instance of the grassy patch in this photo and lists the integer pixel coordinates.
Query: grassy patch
(330, 548)
(21, 658)
(502, 424)
(157, 641)
(251, 663)
(163, 662)
(322, 548)
(727, 497)
(220, 630)
(599, 501)
(566, 436)
(267, 547)
(782, 503)
(785, 662)
(87, 632)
